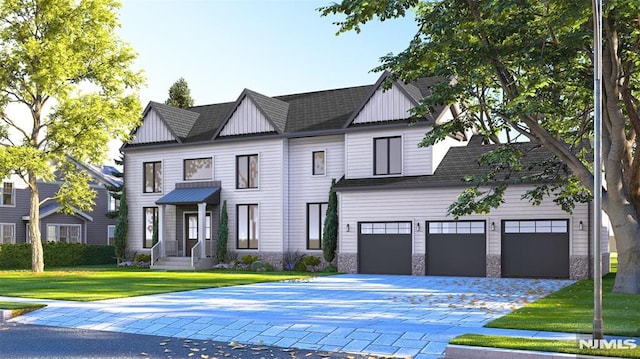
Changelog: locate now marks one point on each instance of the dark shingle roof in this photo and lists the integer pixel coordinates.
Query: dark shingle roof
(458, 163)
(290, 114)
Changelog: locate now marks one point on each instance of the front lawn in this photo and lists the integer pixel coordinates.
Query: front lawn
(98, 284)
(19, 308)
(545, 345)
(571, 310)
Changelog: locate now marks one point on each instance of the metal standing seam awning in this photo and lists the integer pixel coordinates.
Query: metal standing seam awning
(185, 196)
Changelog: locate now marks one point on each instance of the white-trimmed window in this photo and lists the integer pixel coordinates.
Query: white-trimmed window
(319, 163)
(7, 233)
(248, 226)
(114, 204)
(548, 226)
(459, 227)
(387, 155)
(197, 169)
(111, 233)
(8, 194)
(67, 233)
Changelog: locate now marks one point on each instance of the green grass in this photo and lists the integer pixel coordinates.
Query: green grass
(559, 346)
(100, 282)
(19, 308)
(571, 310)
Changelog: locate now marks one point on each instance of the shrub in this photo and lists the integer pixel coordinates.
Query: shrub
(259, 266)
(141, 257)
(312, 261)
(223, 235)
(330, 230)
(290, 259)
(56, 254)
(248, 259)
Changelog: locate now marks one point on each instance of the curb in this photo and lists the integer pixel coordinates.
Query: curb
(470, 352)
(5, 314)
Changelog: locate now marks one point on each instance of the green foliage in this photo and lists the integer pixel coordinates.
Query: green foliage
(142, 257)
(57, 254)
(307, 263)
(122, 225)
(330, 230)
(180, 94)
(312, 261)
(248, 259)
(259, 266)
(223, 234)
(63, 62)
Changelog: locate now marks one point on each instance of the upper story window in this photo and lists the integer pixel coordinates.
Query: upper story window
(152, 177)
(114, 204)
(198, 169)
(318, 163)
(387, 155)
(7, 198)
(247, 171)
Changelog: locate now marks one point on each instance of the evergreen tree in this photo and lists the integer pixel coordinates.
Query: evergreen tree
(223, 234)
(180, 94)
(330, 230)
(116, 191)
(122, 224)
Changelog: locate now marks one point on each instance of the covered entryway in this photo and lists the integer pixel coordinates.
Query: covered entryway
(384, 247)
(456, 248)
(191, 230)
(535, 248)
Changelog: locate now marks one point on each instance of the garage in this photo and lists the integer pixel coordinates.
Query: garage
(456, 248)
(384, 247)
(535, 248)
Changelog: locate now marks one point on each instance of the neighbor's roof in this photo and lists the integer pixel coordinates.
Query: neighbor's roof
(291, 114)
(458, 163)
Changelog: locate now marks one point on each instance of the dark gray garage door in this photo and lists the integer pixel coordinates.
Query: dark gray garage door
(456, 248)
(384, 247)
(535, 248)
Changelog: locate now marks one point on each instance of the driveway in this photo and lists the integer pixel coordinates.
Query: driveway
(377, 314)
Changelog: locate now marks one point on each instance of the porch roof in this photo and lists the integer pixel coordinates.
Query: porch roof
(183, 196)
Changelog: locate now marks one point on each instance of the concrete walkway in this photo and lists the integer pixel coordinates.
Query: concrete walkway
(403, 316)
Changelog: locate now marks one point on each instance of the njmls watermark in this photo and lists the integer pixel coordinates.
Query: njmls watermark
(608, 344)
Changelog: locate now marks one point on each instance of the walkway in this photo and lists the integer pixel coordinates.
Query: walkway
(377, 314)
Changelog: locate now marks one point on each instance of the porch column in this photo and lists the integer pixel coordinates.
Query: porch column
(202, 217)
(161, 230)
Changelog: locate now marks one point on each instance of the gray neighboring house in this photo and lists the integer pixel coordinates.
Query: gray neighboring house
(91, 227)
(272, 160)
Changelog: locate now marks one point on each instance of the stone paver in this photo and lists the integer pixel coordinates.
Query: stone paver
(376, 314)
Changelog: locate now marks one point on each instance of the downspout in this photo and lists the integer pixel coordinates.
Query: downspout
(589, 231)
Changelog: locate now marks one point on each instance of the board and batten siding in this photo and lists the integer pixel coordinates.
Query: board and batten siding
(268, 196)
(247, 118)
(421, 205)
(385, 105)
(152, 130)
(416, 160)
(306, 187)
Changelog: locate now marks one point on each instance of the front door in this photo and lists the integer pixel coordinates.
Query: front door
(191, 231)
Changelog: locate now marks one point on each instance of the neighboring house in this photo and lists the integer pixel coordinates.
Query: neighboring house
(272, 159)
(91, 227)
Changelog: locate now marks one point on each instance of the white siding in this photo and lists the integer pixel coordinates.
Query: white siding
(421, 205)
(387, 105)
(416, 160)
(152, 130)
(268, 196)
(307, 188)
(247, 118)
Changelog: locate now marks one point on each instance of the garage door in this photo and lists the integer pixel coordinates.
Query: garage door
(535, 248)
(456, 248)
(384, 247)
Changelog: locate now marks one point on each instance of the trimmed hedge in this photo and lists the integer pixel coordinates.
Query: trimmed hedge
(56, 254)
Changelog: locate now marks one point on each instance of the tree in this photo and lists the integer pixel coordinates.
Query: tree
(223, 234)
(122, 225)
(63, 65)
(330, 230)
(179, 94)
(527, 66)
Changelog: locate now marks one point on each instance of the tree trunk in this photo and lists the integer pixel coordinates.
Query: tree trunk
(37, 254)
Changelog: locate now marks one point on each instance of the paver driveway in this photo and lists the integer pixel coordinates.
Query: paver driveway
(377, 314)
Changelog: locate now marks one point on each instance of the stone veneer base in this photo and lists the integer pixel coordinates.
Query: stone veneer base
(347, 262)
(418, 264)
(494, 265)
(579, 267)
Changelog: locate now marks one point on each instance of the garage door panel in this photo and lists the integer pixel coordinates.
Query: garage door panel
(456, 249)
(384, 253)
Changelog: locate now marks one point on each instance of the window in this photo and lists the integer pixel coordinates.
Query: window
(385, 228)
(560, 226)
(460, 227)
(150, 225)
(7, 194)
(66, 233)
(318, 163)
(111, 233)
(7, 233)
(114, 203)
(387, 156)
(197, 169)
(316, 213)
(152, 177)
(248, 226)
(247, 171)
(192, 226)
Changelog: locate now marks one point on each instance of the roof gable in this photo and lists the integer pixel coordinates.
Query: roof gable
(153, 129)
(255, 113)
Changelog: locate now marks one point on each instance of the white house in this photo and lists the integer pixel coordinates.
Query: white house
(272, 160)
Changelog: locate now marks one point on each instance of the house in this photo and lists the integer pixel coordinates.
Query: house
(272, 160)
(92, 227)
